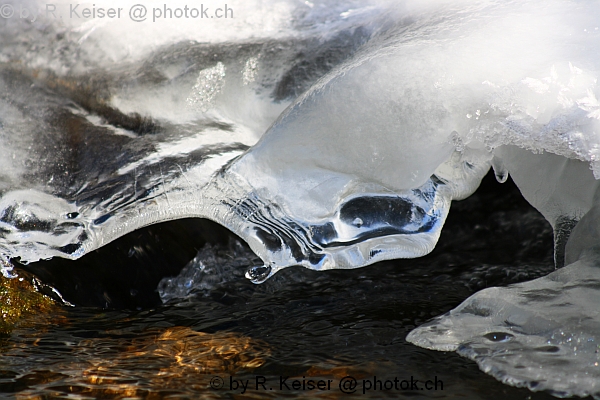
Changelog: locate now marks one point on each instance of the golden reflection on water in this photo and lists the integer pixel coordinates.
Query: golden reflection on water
(161, 360)
(186, 350)
(152, 364)
(337, 372)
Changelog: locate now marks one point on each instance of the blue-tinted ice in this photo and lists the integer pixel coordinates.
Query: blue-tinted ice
(325, 134)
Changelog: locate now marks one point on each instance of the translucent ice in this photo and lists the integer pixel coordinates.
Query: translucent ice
(212, 266)
(542, 334)
(150, 140)
(376, 115)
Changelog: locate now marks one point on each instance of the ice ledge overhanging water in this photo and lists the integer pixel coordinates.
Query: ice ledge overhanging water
(361, 167)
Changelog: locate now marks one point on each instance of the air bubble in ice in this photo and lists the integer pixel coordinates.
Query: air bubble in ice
(498, 336)
(250, 71)
(209, 83)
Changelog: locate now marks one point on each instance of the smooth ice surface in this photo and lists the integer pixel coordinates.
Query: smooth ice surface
(543, 334)
(327, 134)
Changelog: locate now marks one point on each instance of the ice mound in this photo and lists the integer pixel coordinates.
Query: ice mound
(326, 134)
(542, 334)
(212, 266)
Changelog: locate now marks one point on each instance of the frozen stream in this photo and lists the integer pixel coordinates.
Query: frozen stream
(331, 135)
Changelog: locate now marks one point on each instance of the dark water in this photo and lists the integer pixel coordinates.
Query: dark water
(301, 323)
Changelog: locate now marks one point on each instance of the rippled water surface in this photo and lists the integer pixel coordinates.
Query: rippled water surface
(302, 324)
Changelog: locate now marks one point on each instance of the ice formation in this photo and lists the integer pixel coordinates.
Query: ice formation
(376, 116)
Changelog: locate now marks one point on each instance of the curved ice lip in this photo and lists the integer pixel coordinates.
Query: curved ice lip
(365, 226)
(364, 229)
